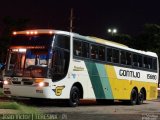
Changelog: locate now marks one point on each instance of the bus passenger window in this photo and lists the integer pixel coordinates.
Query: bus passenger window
(128, 58)
(135, 60)
(115, 56)
(94, 52)
(77, 48)
(85, 49)
(150, 63)
(139, 61)
(109, 54)
(102, 53)
(155, 64)
(145, 62)
(123, 57)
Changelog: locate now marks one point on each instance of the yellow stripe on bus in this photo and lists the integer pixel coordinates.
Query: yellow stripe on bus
(121, 88)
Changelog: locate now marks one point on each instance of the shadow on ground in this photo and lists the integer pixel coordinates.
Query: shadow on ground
(63, 103)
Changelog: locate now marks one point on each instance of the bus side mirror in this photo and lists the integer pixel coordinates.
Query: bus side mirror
(2, 66)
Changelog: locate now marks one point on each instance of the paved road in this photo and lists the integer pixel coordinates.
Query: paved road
(89, 110)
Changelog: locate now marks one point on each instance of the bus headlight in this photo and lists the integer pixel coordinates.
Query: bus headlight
(6, 82)
(43, 84)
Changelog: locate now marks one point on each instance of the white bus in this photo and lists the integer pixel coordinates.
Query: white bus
(54, 64)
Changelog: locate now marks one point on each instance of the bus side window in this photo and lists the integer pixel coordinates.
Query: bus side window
(135, 63)
(145, 62)
(139, 61)
(154, 64)
(77, 48)
(109, 54)
(101, 53)
(115, 56)
(60, 63)
(123, 57)
(85, 49)
(128, 58)
(94, 51)
(150, 63)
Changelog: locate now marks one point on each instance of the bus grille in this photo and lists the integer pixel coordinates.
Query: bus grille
(27, 81)
(23, 82)
(16, 82)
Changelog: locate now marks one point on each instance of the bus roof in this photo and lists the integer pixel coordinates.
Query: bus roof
(39, 31)
(107, 42)
(88, 38)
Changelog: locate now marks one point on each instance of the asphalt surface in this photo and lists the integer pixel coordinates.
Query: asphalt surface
(89, 110)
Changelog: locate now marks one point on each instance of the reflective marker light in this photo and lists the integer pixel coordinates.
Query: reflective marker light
(50, 32)
(35, 32)
(27, 32)
(31, 32)
(14, 33)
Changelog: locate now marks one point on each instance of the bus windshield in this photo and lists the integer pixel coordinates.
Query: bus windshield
(28, 62)
(39, 56)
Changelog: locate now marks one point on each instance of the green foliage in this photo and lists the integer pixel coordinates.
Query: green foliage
(21, 108)
(122, 38)
(9, 105)
(1, 92)
(149, 40)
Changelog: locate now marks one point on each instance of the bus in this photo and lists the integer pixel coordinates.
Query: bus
(61, 65)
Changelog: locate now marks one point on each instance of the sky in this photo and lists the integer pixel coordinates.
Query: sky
(91, 17)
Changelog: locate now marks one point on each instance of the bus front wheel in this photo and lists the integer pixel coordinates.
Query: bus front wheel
(74, 97)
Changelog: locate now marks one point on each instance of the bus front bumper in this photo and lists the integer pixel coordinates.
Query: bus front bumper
(30, 92)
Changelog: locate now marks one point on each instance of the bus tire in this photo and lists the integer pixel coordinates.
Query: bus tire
(140, 97)
(74, 97)
(134, 97)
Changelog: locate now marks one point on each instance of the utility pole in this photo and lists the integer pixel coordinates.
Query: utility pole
(71, 20)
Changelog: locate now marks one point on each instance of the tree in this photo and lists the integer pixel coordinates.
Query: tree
(149, 40)
(122, 38)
